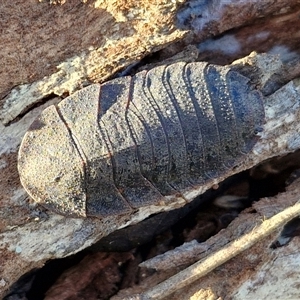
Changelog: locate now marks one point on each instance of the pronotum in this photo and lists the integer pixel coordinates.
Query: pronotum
(112, 148)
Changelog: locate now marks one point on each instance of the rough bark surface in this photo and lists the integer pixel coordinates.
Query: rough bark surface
(259, 272)
(49, 49)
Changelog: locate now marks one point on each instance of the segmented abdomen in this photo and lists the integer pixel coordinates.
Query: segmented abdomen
(160, 133)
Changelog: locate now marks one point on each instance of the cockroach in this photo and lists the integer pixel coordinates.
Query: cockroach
(110, 149)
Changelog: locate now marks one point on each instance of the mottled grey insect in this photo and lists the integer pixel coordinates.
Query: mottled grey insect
(132, 141)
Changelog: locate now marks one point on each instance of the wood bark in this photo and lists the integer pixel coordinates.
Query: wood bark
(49, 49)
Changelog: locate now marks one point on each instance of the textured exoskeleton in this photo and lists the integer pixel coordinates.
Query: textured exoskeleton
(130, 142)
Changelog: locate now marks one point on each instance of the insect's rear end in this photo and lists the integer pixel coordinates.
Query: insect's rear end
(130, 142)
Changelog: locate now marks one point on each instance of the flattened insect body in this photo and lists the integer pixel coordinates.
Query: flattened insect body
(109, 149)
